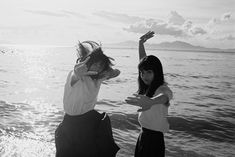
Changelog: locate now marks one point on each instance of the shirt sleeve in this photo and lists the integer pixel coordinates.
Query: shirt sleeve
(68, 80)
(166, 91)
(67, 88)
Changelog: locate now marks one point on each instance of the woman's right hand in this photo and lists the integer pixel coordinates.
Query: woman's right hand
(80, 69)
(146, 36)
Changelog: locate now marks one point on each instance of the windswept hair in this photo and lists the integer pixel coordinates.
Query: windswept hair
(96, 54)
(150, 63)
(85, 48)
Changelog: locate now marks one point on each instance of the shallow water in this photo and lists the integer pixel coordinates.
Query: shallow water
(201, 115)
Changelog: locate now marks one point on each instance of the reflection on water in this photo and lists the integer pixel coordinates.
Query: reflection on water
(201, 115)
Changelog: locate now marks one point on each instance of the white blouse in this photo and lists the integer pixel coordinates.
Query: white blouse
(82, 96)
(156, 117)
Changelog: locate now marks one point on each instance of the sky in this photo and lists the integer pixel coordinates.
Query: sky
(208, 23)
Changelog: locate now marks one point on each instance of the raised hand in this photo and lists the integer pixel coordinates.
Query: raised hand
(81, 69)
(146, 36)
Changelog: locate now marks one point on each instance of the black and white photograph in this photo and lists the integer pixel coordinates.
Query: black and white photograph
(117, 78)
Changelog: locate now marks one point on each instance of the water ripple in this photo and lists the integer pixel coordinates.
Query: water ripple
(210, 129)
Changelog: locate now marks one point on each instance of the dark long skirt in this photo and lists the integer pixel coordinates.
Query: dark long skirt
(150, 144)
(87, 135)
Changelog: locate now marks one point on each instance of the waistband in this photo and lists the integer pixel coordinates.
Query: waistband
(90, 115)
(145, 130)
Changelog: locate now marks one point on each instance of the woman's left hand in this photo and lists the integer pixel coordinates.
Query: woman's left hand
(140, 100)
(146, 36)
(111, 73)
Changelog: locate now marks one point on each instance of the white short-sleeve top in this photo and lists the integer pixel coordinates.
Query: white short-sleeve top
(156, 117)
(82, 96)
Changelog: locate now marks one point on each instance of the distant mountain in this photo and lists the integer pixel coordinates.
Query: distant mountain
(176, 45)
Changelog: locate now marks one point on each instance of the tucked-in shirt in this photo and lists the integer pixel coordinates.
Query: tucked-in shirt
(82, 96)
(156, 117)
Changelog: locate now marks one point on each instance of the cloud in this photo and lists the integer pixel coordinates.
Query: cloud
(175, 18)
(74, 14)
(215, 21)
(187, 25)
(214, 25)
(198, 30)
(123, 18)
(225, 16)
(175, 26)
(212, 22)
(228, 37)
(193, 30)
(47, 13)
(162, 28)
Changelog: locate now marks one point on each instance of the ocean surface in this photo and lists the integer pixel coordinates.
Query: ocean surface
(201, 115)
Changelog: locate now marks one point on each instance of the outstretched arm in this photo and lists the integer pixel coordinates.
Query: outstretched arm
(142, 40)
(109, 74)
(145, 102)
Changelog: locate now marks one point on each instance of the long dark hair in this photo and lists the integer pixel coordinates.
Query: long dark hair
(96, 55)
(150, 63)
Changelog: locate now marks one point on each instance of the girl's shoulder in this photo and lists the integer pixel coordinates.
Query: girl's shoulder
(165, 89)
(69, 76)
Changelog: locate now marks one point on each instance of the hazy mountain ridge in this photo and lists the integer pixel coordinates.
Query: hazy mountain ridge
(176, 45)
(171, 46)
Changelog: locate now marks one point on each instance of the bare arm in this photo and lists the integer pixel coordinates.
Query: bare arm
(109, 74)
(114, 73)
(80, 69)
(142, 40)
(145, 102)
(142, 52)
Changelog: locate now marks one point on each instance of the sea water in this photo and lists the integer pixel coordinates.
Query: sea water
(201, 114)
